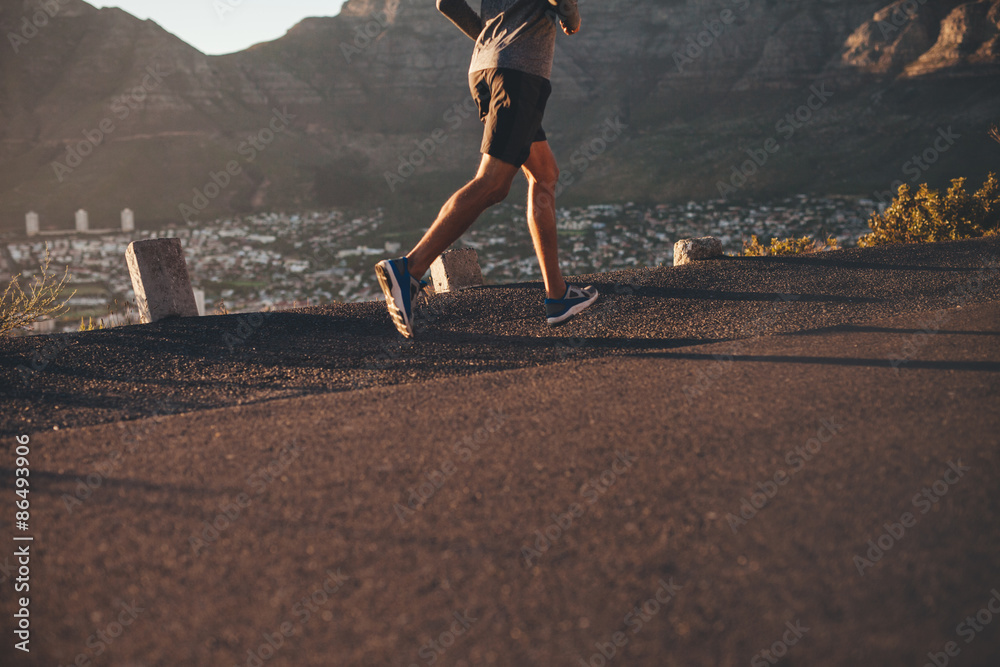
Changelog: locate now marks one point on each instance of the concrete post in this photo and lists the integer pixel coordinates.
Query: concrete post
(456, 270)
(128, 221)
(82, 221)
(199, 299)
(160, 280)
(31, 223)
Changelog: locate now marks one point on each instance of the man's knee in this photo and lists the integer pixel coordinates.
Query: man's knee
(549, 177)
(545, 174)
(497, 193)
(494, 190)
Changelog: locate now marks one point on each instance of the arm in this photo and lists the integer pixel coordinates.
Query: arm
(569, 15)
(463, 16)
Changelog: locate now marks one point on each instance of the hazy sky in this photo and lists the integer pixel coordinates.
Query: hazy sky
(225, 26)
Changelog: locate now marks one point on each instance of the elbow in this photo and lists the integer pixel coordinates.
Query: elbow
(571, 27)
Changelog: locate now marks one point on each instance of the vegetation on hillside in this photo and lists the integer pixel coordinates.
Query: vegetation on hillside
(90, 325)
(789, 246)
(119, 315)
(929, 215)
(43, 300)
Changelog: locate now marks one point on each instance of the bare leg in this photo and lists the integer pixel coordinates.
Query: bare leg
(543, 174)
(489, 187)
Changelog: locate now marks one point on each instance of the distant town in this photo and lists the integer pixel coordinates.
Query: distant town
(278, 261)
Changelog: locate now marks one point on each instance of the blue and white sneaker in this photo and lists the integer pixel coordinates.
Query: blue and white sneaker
(401, 290)
(575, 301)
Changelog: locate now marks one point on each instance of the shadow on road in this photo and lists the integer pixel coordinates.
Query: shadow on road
(983, 366)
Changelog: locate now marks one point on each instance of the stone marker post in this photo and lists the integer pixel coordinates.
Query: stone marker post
(128, 221)
(82, 221)
(455, 270)
(31, 223)
(160, 280)
(199, 299)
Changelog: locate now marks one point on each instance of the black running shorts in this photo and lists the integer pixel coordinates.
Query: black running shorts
(511, 105)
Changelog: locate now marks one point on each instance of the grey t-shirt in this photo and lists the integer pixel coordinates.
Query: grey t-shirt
(515, 34)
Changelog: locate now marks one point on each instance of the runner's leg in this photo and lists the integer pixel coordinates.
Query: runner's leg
(490, 186)
(543, 174)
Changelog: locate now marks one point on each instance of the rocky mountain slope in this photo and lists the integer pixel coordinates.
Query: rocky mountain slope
(653, 100)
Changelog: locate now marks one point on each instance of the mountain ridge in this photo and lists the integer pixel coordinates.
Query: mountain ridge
(696, 84)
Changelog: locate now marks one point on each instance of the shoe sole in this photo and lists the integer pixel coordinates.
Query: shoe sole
(575, 310)
(392, 292)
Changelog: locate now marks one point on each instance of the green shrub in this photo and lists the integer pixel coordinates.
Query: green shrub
(789, 246)
(19, 309)
(927, 215)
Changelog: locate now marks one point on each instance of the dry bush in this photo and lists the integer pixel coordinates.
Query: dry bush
(20, 309)
(789, 246)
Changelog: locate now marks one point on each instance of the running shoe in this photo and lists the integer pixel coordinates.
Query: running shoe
(575, 301)
(401, 290)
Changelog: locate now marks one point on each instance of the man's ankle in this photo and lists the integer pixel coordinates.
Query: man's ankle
(557, 293)
(413, 270)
